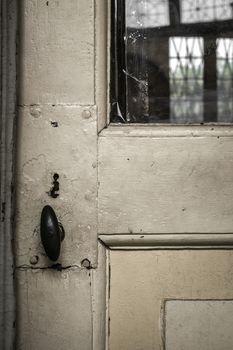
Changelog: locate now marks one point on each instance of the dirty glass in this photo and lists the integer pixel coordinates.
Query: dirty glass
(172, 61)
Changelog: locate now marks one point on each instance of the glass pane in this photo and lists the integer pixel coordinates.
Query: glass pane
(172, 61)
(225, 79)
(193, 11)
(186, 79)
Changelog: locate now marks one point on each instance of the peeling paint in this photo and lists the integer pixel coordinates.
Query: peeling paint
(35, 111)
(69, 153)
(57, 159)
(54, 124)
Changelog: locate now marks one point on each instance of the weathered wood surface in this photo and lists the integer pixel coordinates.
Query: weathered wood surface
(99, 300)
(161, 130)
(160, 182)
(141, 282)
(55, 309)
(57, 134)
(199, 324)
(57, 127)
(57, 52)
(166, 241)
(102, 58)
(70, 151)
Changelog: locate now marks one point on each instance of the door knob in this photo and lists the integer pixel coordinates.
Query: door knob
(52, 233)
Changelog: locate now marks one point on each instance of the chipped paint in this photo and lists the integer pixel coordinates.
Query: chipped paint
(57, 135)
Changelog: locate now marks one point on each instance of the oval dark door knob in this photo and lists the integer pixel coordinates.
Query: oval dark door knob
(52, 233)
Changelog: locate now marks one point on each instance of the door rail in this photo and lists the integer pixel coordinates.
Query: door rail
(168, 241)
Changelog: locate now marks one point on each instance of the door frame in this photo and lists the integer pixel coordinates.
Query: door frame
(8, 38)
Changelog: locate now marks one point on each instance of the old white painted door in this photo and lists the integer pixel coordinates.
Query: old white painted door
(165, 190)
(163, 211)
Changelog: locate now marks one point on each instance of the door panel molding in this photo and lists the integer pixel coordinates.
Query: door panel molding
(168, 241)
(161, 130)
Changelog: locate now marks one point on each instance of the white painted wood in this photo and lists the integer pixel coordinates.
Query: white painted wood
(142, 281)
(160, 130)
(57, 52)
(151, 180)
(162, 241)
(8, 29)
(196, 324)
(70, 151)
(58, 134)
(102, 44)
(168, 184)
(55, 309)
(99, 299)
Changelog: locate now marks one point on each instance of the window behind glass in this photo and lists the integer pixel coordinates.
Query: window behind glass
(172, 61)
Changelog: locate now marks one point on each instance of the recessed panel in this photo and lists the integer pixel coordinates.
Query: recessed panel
(199, 325)
(141, 282)
(165, 184)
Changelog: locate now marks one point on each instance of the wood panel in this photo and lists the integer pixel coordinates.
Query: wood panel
(69, 150)
(142, 281)
(55, 309)
(166, 241)
(165, 180)
(57, 52)
(198, 324)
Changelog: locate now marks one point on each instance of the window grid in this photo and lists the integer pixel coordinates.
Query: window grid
(225, 79)
(203, 11)
(147, 13)
(186, 79)
(178, 61)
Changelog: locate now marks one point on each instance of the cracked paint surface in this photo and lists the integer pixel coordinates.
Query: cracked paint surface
(69, 151)
(58, 134)
(49, 299)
